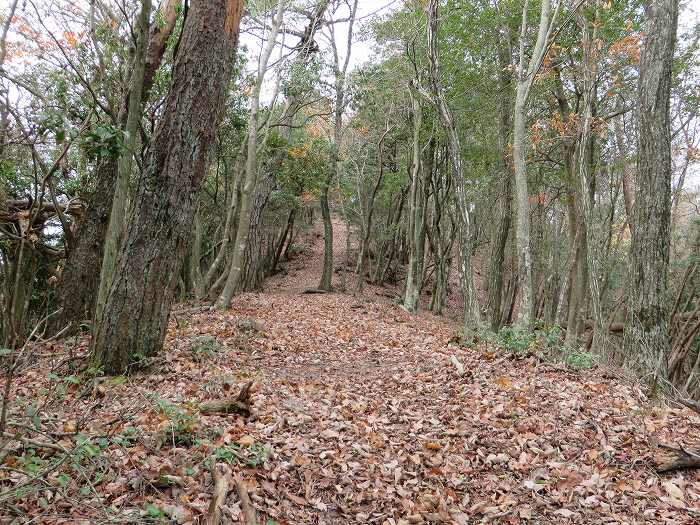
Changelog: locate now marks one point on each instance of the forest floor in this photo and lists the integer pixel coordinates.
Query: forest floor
(359, 415)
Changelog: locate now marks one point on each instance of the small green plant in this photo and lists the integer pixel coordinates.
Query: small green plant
(516, 339)
(31, 463)
(524, 341)
(252, 456)
(128, 438)
(204, 347)
(154, 512)
(580, 359)
(182, 425)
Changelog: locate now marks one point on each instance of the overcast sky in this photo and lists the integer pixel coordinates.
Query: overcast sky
(361, 50)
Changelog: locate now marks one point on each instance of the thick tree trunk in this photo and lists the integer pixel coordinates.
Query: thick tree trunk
(81, 276)
(522, 223)
(584, 153)
(646, 339)
(137, 310)
(79, 283)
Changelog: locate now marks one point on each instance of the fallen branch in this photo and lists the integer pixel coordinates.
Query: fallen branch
(457, 364)
(240, 404)
(246, 504)
(685, 459)
(220, 473)
(35, 444)
(313, 291)
(692, 405)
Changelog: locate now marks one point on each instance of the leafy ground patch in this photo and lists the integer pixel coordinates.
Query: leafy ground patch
(358, 415)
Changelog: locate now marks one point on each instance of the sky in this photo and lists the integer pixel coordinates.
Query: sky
(361, 50)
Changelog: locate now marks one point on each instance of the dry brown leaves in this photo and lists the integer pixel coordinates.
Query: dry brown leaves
(360, 416)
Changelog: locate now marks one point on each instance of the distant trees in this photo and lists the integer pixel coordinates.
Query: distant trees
(547, 154)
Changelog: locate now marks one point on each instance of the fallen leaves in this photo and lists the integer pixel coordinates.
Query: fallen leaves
(360, 416)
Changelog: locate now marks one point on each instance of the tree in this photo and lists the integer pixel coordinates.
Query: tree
(251, 167)
(525, 77)
(340, 74)
(646, 339)
(472, 316)
(97, 236)
(135, 317)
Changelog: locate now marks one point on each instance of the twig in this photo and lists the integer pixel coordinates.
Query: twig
(221, 475)
(32, 443)
(246, 504)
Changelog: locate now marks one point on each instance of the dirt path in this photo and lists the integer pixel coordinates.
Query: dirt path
(360, 416)
(370, 422)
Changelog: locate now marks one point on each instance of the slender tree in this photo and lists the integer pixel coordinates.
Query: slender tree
(251, 167)
(525, 76)
(472, 315)
(340, 72)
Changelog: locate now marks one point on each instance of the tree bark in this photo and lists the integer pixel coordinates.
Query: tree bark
(79, 283)
(646, 340)
(137, 309)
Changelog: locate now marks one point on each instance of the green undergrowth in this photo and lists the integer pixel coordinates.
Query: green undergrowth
(544, 342)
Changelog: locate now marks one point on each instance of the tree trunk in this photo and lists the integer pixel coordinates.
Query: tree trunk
(80, 279)
(505, 209)
(472, 316)
(79, 283)
(646, 339)
(137, 310)
(415, 217)
(584, 153)
(340, 72)
(526, 77)
(115, 228)
(251, 170)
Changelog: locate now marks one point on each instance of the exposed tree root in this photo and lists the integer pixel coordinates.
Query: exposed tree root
(314, 291)
(221, 475)
(685, 459)
(246, 504)
(240, 404)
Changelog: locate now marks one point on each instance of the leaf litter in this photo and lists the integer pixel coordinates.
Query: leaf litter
(360, 413)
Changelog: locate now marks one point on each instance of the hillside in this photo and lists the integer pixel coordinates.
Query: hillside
(358, 414)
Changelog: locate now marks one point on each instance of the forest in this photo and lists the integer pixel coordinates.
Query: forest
(287, 262)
